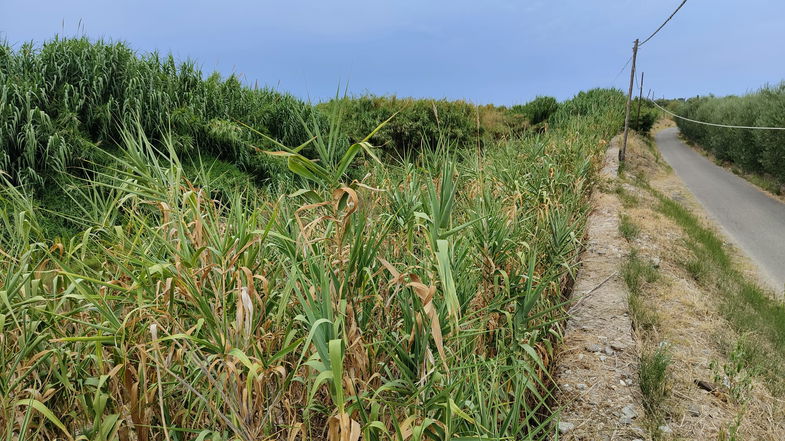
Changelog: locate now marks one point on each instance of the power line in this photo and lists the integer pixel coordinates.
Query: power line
(621, 70)
(649, 38)
(712, 124)
(663, 24)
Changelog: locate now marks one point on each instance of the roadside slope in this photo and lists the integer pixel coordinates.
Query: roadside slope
(753, 219)
(722, 378)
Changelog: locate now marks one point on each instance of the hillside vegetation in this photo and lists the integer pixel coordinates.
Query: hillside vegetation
(62, 105)
(757, 151)
(355, 294)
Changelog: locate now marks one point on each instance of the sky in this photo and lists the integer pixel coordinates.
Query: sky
(491, 51)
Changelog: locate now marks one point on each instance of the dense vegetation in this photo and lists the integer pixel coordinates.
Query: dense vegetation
(642, 121)
(757, 151)
(404, 299)
(60, 103)
(538, 110)
(62, 106)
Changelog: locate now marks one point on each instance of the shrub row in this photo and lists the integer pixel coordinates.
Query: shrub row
(758, 151)
(421, 123)
(58, 102)
(64, 104)
(538, 110)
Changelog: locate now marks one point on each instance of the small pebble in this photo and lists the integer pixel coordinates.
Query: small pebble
(594, 348)
(629, 411)
(665, 429)
(617, 346)
(565, 427)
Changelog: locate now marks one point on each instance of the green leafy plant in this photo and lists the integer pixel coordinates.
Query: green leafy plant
(348, 298)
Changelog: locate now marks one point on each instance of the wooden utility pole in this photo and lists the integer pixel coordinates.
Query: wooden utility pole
(623, 150)
(640, 98)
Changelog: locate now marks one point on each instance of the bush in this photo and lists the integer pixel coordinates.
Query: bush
(62, 100)
(645, 121)
(758, 151)
(418, 123)
(590, 104)
(537, 110)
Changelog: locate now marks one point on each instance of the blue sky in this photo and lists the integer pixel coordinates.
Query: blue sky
(491, 51)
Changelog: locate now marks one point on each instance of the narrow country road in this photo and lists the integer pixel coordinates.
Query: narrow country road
(753, 219)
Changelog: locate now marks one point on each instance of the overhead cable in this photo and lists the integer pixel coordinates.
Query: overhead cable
(712, 124)
(663, 24)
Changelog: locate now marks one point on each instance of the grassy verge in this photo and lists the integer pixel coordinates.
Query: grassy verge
(653, 374)
(746, 306)
(627, 228)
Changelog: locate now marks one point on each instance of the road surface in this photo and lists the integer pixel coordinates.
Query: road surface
(753, 219)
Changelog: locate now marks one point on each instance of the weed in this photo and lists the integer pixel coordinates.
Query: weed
(654, 378)
(326, 304)
(350, 297)
(628, 229)
(628, 200)
(636, 271)
(736, 375)
(643, 317)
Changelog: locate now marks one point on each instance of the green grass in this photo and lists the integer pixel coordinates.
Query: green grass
(749, 308)
(653, 374)
(653, 379)
(636, 272)
(627, 228)
(628, 200)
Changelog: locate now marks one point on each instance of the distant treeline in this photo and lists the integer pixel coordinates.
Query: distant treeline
(757, 151)
(64, 104)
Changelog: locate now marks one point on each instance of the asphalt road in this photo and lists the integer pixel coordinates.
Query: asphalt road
(753, 219)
